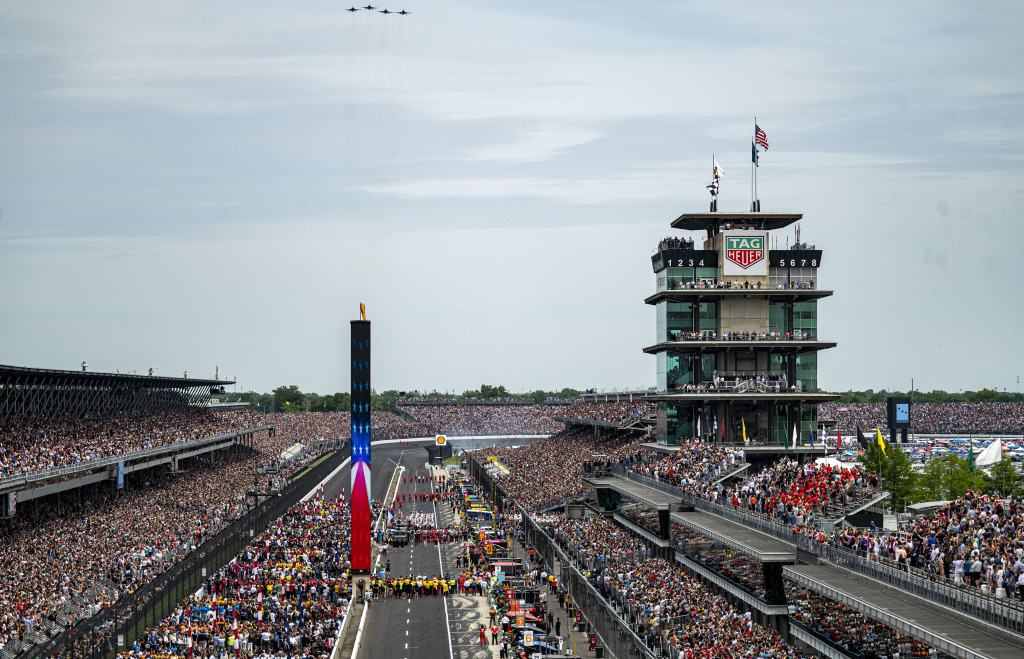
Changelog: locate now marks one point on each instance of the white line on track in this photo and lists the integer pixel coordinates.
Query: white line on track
(447, 623)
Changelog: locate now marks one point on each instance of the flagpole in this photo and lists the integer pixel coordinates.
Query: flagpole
(753, 205)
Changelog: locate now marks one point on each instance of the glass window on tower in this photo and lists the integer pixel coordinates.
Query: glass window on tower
(674, 370)
(708, 317)
(707, 275)
(777, 321)
(677, 278)
(678, 319)
(789, 277)
(807, 371)
(808, 421)
(780, 426)
(805, 318)
(708, 366)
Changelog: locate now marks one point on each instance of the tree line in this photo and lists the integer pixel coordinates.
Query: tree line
(935, 396)
(943, 478)
(291, 399)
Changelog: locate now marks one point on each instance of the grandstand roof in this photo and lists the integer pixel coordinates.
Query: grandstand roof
(713, 221)
(93, 376)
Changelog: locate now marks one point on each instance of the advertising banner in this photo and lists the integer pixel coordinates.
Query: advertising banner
(745, 253)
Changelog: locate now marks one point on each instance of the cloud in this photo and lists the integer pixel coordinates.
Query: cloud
(536, 145)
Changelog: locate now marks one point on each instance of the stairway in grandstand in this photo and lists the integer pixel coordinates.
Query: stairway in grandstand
(733, 472)
(836, 514)
(640, 421)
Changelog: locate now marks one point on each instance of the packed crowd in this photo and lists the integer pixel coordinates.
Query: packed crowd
(488, 419)
(851, 630)
(286, 594)
(615, 412)
(762, 381)
(726, 561)
(549, 470)
(712, 335)
(675, 242)
(670, 606)
(793, 493)
(310, 427)
(695, 462)
(976, 541)
(938, 418)
(72, 555)
(31, 444)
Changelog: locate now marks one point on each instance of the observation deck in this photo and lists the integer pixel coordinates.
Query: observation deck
(781, 346)
(713, 293)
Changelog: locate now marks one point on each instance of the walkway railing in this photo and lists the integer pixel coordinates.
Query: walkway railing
(998, 611)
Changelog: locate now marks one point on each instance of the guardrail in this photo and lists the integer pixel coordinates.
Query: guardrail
(620, 639)
(21, 480)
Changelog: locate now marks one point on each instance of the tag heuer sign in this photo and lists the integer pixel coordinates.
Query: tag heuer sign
(744, 251)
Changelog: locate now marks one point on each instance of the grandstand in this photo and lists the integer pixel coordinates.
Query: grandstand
(109, 480)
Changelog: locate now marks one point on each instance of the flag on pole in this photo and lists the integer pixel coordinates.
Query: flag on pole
(698, 425)
(760, 137)
(881, 442)
(713, 188)
(743, 423)
(717, 170)
(839, 438)
(810, 430)
(861, 439)
(753, 154)
(970, 456)
(796, 429)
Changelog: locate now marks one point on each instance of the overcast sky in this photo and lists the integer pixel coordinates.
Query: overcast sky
(191, 184)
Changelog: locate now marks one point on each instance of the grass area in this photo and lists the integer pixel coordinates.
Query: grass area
(311, 467)
(454, 461)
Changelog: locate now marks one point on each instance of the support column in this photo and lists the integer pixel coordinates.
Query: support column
(360, 449)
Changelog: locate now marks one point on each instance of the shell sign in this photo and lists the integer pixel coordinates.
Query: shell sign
(440, 439)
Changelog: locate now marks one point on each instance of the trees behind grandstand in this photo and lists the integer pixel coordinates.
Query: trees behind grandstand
(936, 396)
(895, 470)
(492, 392)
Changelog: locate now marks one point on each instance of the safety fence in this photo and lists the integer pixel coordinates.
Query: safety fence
(605, 617)
(116, 628)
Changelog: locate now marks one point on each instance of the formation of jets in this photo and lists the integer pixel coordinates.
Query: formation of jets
(382, 11)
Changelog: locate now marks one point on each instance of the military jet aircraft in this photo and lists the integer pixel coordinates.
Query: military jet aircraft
(369, 7)
(403, 12)
(352, 9)
(385, 11)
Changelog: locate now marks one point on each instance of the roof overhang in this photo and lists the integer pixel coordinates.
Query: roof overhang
(703, 294)
(780, 346)
(93, 377)
(720, 397)
(704, 221)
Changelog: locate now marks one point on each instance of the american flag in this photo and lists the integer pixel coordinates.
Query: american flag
(760, 137)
